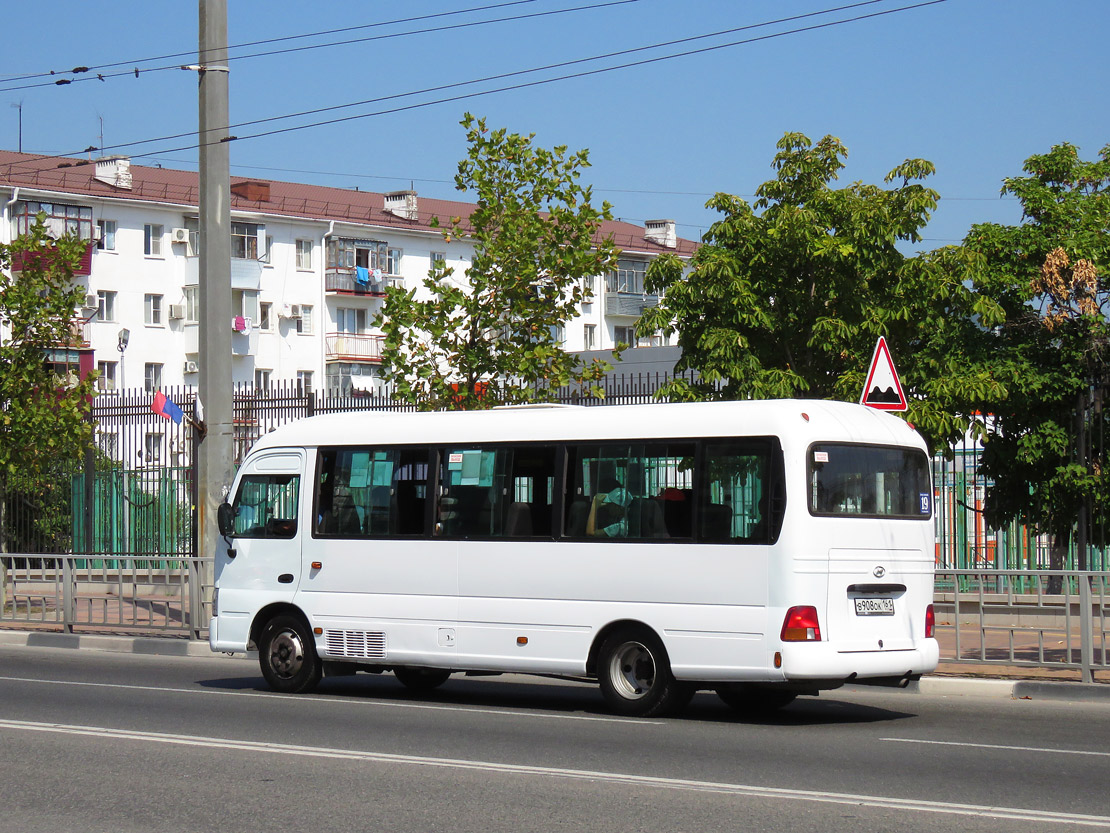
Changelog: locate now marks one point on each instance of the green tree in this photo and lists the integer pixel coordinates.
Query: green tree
(1050, 278)
(492, 334)
(787, 297)
(43, 426)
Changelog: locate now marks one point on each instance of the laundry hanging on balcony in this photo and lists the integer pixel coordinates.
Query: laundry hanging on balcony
(362, 276)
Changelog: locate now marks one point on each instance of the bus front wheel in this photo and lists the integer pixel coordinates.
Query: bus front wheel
(288, 657)
(635, 675)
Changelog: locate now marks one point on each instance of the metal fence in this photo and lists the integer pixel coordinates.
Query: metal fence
(1025, 618)
(116, 595)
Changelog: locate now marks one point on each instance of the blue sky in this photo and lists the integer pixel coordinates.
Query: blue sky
(975, 86)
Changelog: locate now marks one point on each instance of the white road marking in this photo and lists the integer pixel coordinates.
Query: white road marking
(915, 805)
(345, 701)
(1037, 749)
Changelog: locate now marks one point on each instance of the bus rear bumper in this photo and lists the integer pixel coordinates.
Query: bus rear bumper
(821, 661)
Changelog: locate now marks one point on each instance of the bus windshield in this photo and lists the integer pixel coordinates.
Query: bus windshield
(869, 481)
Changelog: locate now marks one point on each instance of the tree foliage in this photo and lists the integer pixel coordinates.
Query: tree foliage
(1049, 278)
(43, 426)
(491, 334)
(787, 296)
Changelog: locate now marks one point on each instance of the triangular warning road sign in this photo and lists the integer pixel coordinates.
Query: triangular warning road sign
(883, 391)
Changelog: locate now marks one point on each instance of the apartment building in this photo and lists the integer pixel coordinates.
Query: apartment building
(310, 266)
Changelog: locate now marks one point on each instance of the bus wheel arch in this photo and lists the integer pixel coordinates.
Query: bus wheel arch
(633, 669)
(287, 651)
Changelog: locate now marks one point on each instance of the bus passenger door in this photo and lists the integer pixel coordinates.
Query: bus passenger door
(262, 563)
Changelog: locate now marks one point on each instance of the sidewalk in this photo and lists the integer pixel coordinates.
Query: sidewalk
(950, 679)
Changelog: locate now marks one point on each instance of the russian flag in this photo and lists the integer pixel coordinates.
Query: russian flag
(164, 407)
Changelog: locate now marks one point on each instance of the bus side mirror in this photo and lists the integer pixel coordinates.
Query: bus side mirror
(225, 519)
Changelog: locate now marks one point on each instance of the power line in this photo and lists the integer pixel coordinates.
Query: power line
(512, 18)
(135, 62)
(571, 76)
(547, 67)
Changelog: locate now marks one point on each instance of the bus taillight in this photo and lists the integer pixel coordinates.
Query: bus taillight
(930, 622)
(801, 625)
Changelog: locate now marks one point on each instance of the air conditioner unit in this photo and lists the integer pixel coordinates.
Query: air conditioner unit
(92, 301)
(179, 235)
(177, 312)
(294, 310)
(191, 367)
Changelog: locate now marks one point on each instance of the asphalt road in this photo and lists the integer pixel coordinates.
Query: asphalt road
(93, 741)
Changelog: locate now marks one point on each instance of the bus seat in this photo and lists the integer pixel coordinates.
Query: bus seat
(577, 516)
(518, 520)
(645, 519)
(716, 522)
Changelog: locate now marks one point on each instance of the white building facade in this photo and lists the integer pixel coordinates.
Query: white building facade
(310, 266)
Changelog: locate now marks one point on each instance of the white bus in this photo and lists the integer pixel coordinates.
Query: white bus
(759, 549)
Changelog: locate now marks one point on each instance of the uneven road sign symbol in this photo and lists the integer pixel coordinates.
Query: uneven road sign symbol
(883, 391)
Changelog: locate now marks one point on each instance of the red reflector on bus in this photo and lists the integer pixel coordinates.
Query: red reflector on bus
(801, 625)
(930, 622)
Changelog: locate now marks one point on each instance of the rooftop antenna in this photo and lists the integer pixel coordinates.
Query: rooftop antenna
(101, 134)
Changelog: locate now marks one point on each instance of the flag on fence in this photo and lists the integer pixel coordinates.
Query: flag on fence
(164, 407)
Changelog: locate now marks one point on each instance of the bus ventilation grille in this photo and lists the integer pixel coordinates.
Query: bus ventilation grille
(355, 644)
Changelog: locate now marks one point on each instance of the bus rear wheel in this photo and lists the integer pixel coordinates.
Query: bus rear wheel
(753, 699)
(287, 655)
(635, 676)
(421, 679)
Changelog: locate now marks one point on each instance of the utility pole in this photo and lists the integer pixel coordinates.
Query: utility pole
(214, 466)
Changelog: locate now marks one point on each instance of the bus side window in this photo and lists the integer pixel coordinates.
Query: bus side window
(266, 506)
(736, 493)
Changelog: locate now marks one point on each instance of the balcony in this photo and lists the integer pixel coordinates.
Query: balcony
(343, 282)
(82, 269)
(628, 304)
(350, 347)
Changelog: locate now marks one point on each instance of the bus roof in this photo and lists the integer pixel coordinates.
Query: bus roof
(794, 420)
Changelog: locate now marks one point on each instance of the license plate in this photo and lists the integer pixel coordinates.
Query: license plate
(875, 607)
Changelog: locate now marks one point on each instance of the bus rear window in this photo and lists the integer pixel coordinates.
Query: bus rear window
(869, 481)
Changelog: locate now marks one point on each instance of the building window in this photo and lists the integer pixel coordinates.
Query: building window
(304, 254)
(393, 262)
(589, 288)
(244, 302)
(625, 335)
(345, 253)
(61, 219)
(152, 377)
(106, 376)
(244, 241)
(558, 333)
(267, 256)
(627, 277)
(152, 447)
(304, 323)
(439, 260)
(105, 305)
(106, 235)
(193, 225)
(343, 377)
(192, 304)
(262, 378)
(304, 381)
(589, 336)
(349, 320)
(152, 309)
(152, 240)
(265, 316)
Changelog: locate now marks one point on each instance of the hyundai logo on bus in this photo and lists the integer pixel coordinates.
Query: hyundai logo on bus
(879, 571)
(883, 391)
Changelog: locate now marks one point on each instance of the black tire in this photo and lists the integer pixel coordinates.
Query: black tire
(287, 655)
(754, 699)
(635, 675)
(421, 679)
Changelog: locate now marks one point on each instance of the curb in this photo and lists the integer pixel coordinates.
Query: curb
(937, 686)
(149, 645)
